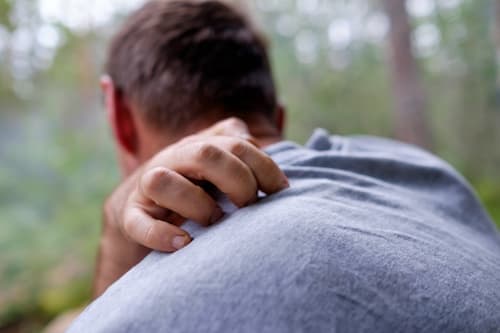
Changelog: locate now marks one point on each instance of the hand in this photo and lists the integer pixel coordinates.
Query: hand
(147, 210)
(165, 192)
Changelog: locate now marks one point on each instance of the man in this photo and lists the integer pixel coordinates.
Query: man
(371, 236)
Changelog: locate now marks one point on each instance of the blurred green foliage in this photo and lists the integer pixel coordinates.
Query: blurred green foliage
(57, 162)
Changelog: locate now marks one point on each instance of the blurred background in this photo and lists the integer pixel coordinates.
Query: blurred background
(423, 71)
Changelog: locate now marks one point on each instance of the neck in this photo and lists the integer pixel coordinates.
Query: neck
(263, 132)
(265, 135)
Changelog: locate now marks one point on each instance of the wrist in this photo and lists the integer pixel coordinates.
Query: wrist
(116, 253)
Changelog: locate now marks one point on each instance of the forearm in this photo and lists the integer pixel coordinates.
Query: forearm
(115, 257)
(147, 210)
(116, 254)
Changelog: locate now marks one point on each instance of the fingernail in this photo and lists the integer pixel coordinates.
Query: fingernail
(180, 241)
(285, 183)
(217, 215)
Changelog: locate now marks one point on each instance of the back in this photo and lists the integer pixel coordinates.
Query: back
(372, 236)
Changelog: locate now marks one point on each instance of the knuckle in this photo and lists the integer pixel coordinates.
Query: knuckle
(234, 122)
(150, 235)
(238, 148)
(156, 180)
(130, 222)
(207, 152)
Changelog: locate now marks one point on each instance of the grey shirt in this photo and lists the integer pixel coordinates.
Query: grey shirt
(373, 236)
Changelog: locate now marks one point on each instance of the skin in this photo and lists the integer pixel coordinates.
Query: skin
(163, 174)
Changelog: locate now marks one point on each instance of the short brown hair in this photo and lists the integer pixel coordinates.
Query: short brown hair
(178, 60)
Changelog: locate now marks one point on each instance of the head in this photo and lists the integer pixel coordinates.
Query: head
(177, 67)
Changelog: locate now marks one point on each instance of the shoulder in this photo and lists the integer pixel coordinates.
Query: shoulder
(371, 145)
(302, 263)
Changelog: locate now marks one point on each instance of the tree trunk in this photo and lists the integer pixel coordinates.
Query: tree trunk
(496, 36)
(409, 97)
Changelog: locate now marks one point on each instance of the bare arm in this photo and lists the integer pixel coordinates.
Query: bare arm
(146, 211)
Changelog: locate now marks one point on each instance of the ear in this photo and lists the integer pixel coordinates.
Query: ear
(280, 118)
(123, 126)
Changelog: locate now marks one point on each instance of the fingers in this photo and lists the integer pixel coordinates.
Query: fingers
(229, 127)
(153, 234)
(233, 134)
(270, 179)
(206, 161)
(233, 127)
(233, 165)
(165, 194)
(171, 191)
